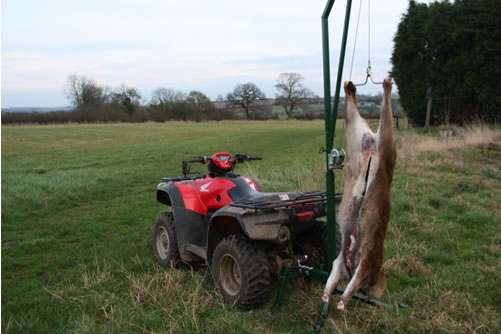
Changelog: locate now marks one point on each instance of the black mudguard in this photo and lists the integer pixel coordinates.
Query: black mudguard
(264, 226)
(191, 226)
(257, 225)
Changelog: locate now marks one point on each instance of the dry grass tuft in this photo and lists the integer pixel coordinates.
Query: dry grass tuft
(8, 243)
(99, 274)
(494, 249)
(410, 264)
(415, 266)
(472, 135)
(448, 301)
(311, 177)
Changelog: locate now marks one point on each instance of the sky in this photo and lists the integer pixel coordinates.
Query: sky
(209, 46)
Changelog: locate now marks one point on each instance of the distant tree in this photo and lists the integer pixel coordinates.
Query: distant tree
(454, 48)
(244, 96)
(87, 96)
(127, 98)
(166, 95)
(291, 91)
(168, 104)
(220, 98)
(377, 99)
(82, 91)
(200, 106)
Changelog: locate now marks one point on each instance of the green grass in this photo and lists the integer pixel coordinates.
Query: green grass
(78, 205)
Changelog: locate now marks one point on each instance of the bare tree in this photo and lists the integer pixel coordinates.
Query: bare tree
(200, 106)
(84, 92)
(88, 97)
(168, 104)
(291, 91)
(127, 97)
(166, 95)
(244, 95)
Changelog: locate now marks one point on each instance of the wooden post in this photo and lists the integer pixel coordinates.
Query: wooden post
(428, 110)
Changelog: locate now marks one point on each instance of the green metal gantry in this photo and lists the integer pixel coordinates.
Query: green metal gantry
(330, 129)
(330, 133)
(331, 116)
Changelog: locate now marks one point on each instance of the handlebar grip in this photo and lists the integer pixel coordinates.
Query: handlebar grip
(200, 159)
(255, 158)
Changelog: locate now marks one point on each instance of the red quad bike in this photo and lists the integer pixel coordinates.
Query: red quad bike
(245, 235)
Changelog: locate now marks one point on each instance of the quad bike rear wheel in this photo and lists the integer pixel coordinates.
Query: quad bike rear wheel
(241, 272)
(315, 244)
(165, 245)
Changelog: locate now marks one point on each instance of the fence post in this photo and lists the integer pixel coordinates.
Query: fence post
(428, 110)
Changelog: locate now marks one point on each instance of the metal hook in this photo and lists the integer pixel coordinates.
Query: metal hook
(369, 75)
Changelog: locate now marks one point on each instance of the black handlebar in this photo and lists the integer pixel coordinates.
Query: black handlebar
(199, 159)
(237, 158)
(186, 164)
(241, 157)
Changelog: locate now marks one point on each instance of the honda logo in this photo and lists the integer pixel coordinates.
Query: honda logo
(204, 187)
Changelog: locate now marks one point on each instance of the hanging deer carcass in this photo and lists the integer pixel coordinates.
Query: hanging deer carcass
(365, 208)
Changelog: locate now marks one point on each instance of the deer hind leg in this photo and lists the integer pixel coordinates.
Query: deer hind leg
(385, 130)
(378, 289)
(337, 274)
(350, 91)
(353, 286)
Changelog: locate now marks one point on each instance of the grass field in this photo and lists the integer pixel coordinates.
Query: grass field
(78, 205)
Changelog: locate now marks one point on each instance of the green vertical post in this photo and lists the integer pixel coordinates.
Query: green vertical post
(330, 118)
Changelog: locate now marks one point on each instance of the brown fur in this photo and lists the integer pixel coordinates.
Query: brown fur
(366, 200)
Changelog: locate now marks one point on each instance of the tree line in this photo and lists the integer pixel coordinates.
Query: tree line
(93, 102)
(452, 52)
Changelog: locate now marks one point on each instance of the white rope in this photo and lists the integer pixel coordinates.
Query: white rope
(369, 29)
(356, 36)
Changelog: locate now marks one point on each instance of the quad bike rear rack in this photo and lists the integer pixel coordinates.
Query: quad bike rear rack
(304, 199)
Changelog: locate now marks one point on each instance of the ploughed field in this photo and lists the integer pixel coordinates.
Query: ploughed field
(78, 206)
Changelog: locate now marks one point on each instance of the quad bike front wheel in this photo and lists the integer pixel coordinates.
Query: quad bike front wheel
(165, 241)
(240, 271)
